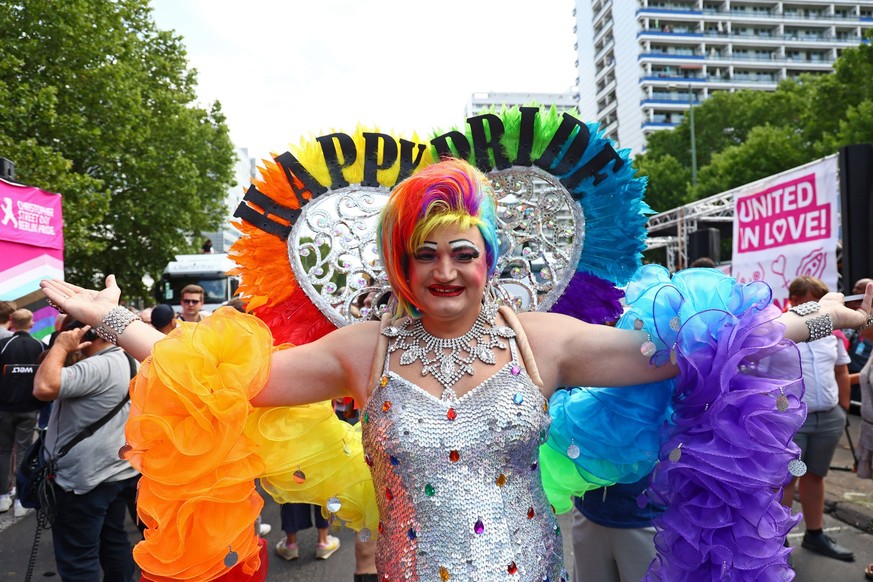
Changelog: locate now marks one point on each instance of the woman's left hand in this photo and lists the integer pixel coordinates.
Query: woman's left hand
(86, 305)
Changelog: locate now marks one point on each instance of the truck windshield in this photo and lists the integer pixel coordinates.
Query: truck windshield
(170, 289)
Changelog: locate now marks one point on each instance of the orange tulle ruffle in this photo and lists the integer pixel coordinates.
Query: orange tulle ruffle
(200, 445)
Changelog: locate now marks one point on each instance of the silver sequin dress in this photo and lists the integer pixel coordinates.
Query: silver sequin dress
(458, 482)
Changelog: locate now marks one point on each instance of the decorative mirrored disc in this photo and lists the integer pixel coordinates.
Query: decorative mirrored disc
(797, 467)
(332, 251)
(782, 403)
(541, 232)
(333, 504)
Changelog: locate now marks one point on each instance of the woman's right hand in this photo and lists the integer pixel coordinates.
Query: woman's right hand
(86, 305)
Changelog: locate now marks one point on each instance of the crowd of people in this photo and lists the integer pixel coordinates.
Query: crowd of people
(449, 398)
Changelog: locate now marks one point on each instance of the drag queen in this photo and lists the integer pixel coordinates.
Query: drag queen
(455, 393)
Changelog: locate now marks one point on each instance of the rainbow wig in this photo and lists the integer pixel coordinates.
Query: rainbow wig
(451, 192)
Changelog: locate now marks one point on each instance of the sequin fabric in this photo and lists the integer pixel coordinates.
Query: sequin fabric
(458, 481)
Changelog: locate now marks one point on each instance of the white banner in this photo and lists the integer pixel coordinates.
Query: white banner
(786, 226)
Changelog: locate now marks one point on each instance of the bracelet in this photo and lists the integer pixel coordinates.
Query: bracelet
(806, 308)
(819, 327)
(114, 323)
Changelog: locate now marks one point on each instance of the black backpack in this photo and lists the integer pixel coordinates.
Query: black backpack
(16, 378)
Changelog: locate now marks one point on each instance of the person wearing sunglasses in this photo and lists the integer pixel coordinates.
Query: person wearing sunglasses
(192, 303)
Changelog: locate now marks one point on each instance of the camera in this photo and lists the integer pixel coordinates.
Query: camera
(89, 336)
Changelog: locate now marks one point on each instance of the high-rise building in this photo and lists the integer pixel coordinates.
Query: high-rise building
(480, 101)
(642, 63)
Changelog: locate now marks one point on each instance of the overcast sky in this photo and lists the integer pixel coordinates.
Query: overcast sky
(283, 70)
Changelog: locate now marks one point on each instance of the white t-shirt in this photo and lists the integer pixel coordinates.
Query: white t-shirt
(818, 360)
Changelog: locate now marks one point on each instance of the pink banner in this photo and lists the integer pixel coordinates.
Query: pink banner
(30, 216)
(785, 214)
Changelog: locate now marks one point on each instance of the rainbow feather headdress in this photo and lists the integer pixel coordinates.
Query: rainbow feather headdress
(570, 213)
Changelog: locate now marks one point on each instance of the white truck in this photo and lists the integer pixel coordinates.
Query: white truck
(207, 270)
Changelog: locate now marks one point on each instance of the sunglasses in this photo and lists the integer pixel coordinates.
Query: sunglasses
(190, 301)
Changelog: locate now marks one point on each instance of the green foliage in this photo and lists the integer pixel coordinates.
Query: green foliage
(668, 181)
(748, 135)
(97, 104)
(767, 150)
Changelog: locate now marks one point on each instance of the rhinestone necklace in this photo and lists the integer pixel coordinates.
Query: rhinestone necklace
(448, 359)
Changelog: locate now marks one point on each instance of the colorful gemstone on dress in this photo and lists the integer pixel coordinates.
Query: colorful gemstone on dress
(386, 406)
(368, 460)
(388, 494)
(454, 455)
(512, 568)
(299, 476)
(518, 398)
(394, 460)
(383, 381)
(411, 534)
(451, 414)
(479, 527)
(530, 513)
(534, 465)
(543, 435)
(545, 406)
(429, 490)
(501, 480)
(444, 574)
(381, 528)
(366, 417)
(515, 370)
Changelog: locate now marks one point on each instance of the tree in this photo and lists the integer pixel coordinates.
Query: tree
(98, 105)
(766, 151)
(668, 181)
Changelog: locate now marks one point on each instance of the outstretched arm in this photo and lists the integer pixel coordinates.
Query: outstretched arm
(570, 352)
(90, 307)
(336, 365)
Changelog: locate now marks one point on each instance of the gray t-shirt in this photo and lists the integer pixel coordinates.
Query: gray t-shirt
(90, 389)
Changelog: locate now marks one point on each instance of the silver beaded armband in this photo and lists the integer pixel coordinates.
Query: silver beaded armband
(819, 327)
(806, 308)
(114, 323)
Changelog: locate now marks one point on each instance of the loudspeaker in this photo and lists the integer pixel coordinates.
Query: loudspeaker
(705, 242)
(7, 170)
(856, 204)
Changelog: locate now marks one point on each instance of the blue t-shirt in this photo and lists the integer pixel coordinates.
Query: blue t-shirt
(616, 506)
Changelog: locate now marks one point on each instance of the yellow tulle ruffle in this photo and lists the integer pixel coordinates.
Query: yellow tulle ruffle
(200, 445)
